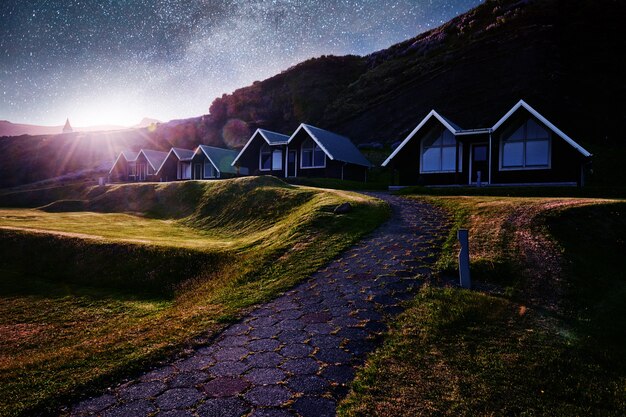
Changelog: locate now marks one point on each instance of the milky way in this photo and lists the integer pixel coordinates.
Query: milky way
(115, 61)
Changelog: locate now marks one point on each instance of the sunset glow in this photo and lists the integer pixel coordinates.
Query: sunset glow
(114, 110)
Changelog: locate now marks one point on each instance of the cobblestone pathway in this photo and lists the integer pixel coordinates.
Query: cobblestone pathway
(295, 355)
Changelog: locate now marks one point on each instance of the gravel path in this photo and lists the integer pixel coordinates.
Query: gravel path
(295, 355)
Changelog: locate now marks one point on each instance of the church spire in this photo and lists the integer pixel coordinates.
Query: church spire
(68, 127)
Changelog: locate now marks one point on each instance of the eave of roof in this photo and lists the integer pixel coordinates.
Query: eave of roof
(263, 134)
(310, 131)
(545, 121)
(445, 122)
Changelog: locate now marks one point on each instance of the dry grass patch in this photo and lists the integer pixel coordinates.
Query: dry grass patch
(78, 313)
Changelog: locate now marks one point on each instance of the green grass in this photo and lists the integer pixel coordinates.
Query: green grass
(89, 297)
(336, 184)
(589, 191)
(545, 346)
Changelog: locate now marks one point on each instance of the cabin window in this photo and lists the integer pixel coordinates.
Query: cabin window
(150, 170)
(132, 169)
(265, 158)
(312, 156)
(277, 160)
(528, 147)
(439, 152)
(209, 170)
(184, 170)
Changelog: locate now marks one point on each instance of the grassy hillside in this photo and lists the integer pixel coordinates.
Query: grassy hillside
(542, 334)
(90, 296)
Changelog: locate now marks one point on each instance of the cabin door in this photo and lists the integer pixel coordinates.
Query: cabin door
(142, 168)
(197, 171)
(291, 163)
(479, 163)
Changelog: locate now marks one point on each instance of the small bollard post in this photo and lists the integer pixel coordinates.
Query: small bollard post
(464, 270)
(479, 180)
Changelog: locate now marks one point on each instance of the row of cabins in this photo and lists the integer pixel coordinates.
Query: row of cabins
(522, 147)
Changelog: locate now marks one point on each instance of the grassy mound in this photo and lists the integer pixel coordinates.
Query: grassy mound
(542, 335)
(141, 270)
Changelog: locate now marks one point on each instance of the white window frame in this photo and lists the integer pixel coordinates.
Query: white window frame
(524, 141)
(261, 157)
(459, 156)
(212, 169)
(183, 166)
(132, 169)
(315, 146)
(279, 166)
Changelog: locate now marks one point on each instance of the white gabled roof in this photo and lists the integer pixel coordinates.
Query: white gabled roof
(457, 131)
(180, 153)
(272, 139)
(335, 146)
(545, 121)
(154, 158)
(220, 158)
(452, 127)
(129, 156)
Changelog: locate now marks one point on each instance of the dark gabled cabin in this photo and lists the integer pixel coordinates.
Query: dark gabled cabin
(177, 165)
(317, 153)
(148, 163)
(210, 162)
(124, 168)
(522, 148)
(140, 166)
(263, 154)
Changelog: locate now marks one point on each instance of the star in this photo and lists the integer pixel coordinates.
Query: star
(170, 59)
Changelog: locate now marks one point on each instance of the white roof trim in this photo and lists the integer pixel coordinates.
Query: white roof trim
(177, 155)
(165, 160)
(118, 158)
(260, 132)
(545, 121)
(473, 132)
(432, 113)
(312, 136)
(147, 159)
(209, 158)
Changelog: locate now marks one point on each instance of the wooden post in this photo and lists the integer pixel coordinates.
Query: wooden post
(464, 270)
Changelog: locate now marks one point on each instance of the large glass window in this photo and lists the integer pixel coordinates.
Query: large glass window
(184, 170)
(277, 160)
(527, 147)
(209, 170)
(265, 158)
(439, 152)
(312, 156)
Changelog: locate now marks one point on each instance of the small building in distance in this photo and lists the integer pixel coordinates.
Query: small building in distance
(317, 153)
(68, 127)
(209, 162)
(177, 165)
(137, 166)
(308, 152)
(124, 168)
(522, 148)
(263, 154)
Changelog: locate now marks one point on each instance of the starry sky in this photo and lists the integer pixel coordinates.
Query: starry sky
(117, 61)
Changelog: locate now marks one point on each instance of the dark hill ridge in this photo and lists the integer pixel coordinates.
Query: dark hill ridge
(562, 57)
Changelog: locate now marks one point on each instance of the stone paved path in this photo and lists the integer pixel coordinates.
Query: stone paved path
(295, 355)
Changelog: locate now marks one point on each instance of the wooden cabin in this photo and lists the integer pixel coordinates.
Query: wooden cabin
(124, 168)
(209, 162)
(263, 154)
(177, 165)
(308, 152)
(521, 148)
